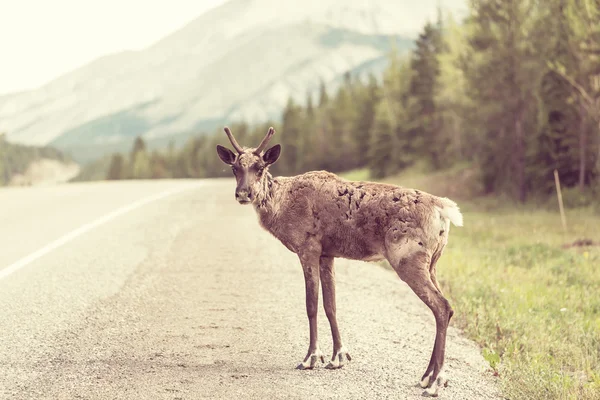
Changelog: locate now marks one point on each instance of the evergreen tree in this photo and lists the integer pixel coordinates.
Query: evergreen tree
(141, 166)
(425, 71)
(311, 152)
(382, 144)
(139, 147)
(342, 116)
(451, 99)
(323, 96)
(396, 97)
(116, 169)
(366, 103)
(291, 138)
(158, 166)
(502, 78)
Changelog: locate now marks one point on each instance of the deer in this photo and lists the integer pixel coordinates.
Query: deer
(320, 216)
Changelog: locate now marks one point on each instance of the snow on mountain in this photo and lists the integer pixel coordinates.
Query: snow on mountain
(239, 61)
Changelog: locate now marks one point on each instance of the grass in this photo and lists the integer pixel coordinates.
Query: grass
(361, 174)
(532, 304)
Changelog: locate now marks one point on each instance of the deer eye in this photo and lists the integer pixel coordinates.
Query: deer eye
(234, 169)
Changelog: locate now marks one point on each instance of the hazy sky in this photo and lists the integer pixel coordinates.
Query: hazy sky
(43, 39)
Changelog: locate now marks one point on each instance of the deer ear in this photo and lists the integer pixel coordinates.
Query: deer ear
(272, 154)
(225, 154)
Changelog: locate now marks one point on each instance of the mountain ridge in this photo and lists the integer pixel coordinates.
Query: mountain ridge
(239, 61)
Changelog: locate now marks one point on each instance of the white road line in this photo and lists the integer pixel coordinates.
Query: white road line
(88, 227)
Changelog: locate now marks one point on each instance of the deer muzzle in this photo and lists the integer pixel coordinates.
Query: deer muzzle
(243, 195)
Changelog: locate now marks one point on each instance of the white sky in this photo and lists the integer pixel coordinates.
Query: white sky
(43, 39)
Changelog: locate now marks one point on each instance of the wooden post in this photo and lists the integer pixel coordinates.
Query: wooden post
(560, 201)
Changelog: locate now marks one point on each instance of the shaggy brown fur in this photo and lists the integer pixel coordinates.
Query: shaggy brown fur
(320, 216)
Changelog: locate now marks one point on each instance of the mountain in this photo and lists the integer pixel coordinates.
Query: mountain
(242, 60)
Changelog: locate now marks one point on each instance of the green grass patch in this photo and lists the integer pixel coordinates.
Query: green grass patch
(530, 302)
(361, 174)
(532, 305)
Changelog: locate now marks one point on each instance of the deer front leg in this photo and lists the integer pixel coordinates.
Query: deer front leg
(328, 281)
(310, 265)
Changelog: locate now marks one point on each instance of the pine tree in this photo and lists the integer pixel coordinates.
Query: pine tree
(342, 116)
(323, 95)
(425, 71)
(451, 99)
(141, 165)
(382, 143)
(502, 77)
(366, 103)
(311, 151)
(116, 169)
(291, 138)
(158, 166)
(139, 147)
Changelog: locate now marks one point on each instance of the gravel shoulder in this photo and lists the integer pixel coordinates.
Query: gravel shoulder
(188, 298)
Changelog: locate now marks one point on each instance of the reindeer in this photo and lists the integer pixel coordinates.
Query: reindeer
(320, 216)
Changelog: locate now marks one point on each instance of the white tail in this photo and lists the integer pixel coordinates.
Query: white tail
(451, 212)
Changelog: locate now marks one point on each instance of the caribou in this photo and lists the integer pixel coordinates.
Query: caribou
(319, 216)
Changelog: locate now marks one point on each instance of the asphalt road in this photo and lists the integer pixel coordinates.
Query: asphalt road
(183, 296)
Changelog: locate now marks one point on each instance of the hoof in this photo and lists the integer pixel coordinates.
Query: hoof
(337, 361)
(434, 386)
(311, 360)
(424, 383)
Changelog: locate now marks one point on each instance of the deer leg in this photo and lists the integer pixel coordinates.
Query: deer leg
(432, 271)
(310, 266)
(328, 283)
(414, 270)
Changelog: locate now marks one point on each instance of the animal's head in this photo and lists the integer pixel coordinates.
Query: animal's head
(249, 165)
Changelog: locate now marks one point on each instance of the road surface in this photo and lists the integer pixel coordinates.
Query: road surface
(171, 290)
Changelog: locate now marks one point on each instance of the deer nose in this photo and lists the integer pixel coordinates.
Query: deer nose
(243, 195)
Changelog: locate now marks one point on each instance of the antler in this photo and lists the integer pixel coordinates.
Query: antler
(264, 142)
(234, 142)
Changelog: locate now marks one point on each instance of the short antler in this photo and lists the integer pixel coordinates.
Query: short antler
(234, 142)
(265, 141)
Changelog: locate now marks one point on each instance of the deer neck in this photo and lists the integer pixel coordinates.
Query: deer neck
(267, 199)
(264, 197)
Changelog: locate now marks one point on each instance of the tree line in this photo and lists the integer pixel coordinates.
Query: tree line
(514, 89)
(16, 158)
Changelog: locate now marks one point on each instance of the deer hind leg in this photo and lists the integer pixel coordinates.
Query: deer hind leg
(442, 379)
(412, 264)
(310, 265)
(432, 273)
(328, 284)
